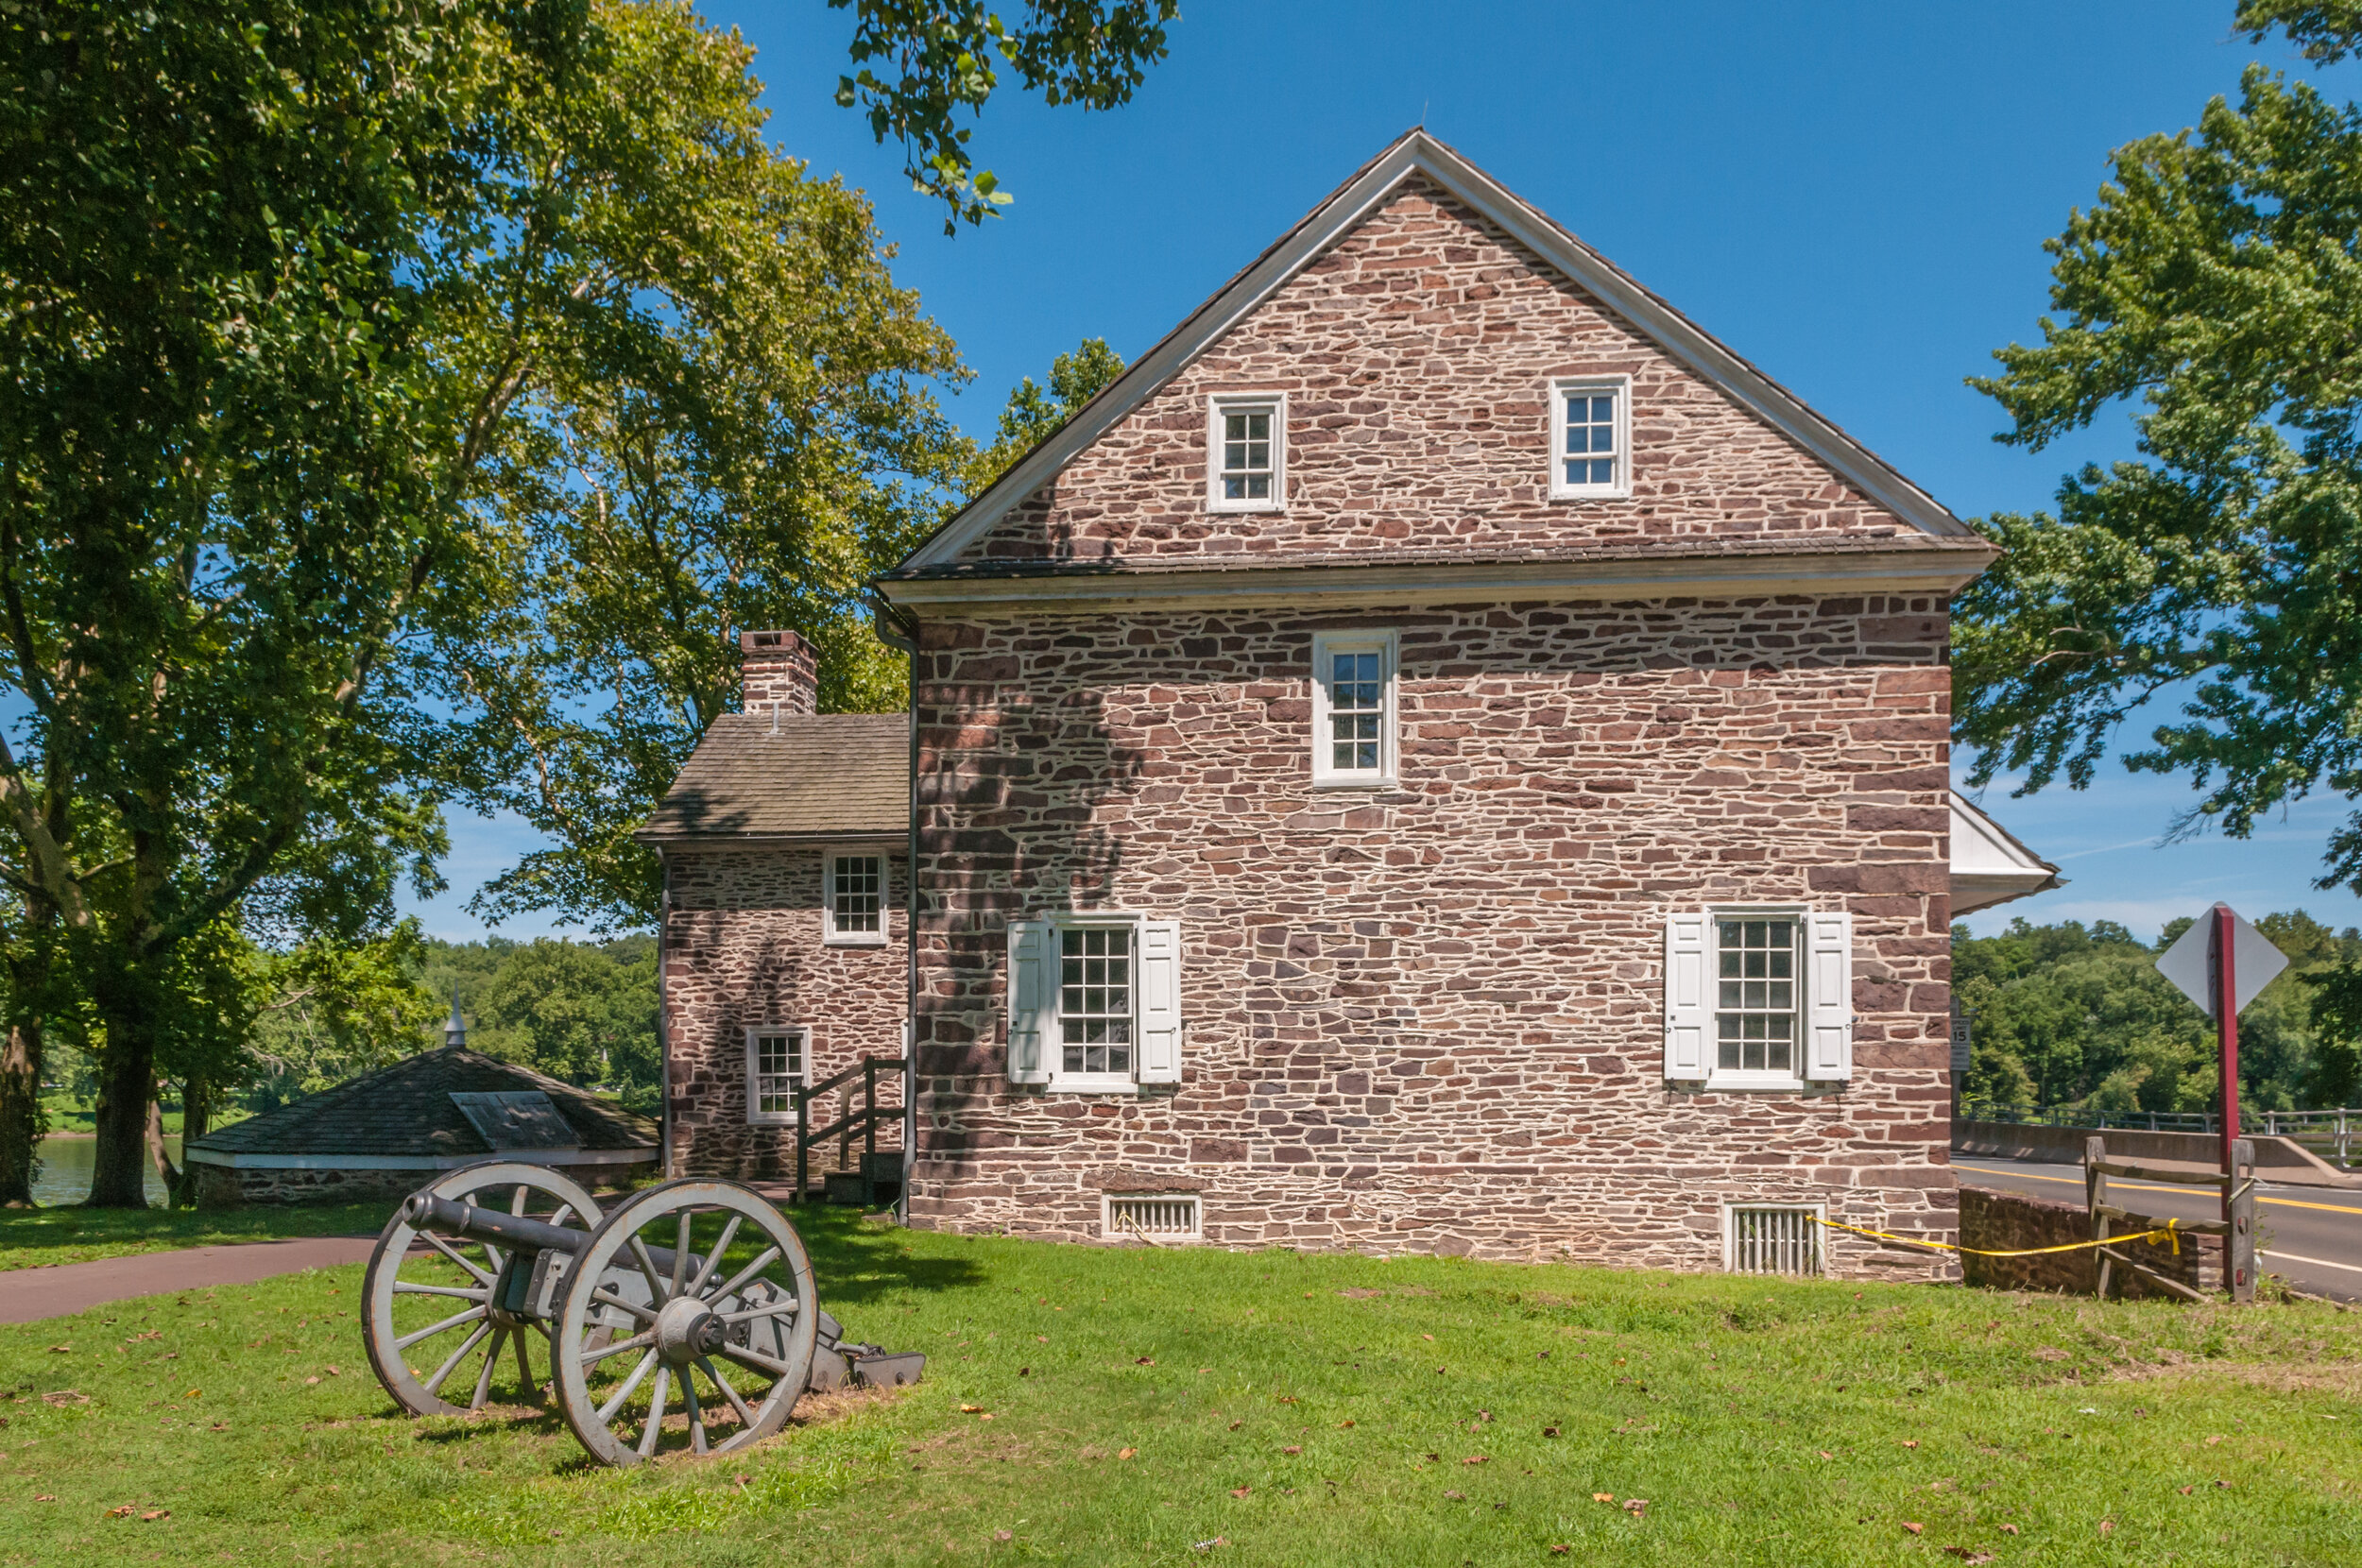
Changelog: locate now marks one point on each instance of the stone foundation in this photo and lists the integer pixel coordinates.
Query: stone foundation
(226, 1187)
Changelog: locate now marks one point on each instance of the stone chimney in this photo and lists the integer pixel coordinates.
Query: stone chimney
(778, 667)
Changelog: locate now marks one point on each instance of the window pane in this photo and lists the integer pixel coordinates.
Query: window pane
(1246, 454)
(1591, 439)
(1357, 708)
(857, 886)
(1755, 996)
(1095, 1000)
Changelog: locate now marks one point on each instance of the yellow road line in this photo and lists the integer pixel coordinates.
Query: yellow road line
(2115, 1181)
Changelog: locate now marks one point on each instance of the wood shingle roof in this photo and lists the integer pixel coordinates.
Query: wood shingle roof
(830, 775)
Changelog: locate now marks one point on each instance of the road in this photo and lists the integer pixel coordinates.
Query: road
(2310, 1237)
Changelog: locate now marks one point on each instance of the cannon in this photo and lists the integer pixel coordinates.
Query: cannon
(684, 1319)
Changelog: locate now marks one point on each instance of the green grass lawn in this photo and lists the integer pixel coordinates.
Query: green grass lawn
(71, 1234)
(1129, 1406)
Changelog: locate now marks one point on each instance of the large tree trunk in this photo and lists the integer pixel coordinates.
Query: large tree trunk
(127, 1080)
(20, 1111)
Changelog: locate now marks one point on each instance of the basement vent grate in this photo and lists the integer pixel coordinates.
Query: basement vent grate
(1157, 1215)
(1772, 1240)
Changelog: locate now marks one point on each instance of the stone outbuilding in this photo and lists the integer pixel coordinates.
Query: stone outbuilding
(387, 1132)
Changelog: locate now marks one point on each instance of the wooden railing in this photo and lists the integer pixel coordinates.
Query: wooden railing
(864, 1122)
(2238, 1230)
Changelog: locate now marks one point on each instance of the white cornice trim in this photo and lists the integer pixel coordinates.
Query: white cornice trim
(1414, 584)
(1419, 153)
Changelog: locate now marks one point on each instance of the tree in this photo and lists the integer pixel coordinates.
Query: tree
(583, 1013)
(284, 287)
(2213, 287)
(1033, 415)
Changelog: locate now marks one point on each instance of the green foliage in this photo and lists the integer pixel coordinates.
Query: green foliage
(2337, 1016)
(2212, 287)
(1033, 415)
(2069, 1014)
(938, 59)
(336, 1010)
(2326, 30)
(738, 436)
(578, 1012)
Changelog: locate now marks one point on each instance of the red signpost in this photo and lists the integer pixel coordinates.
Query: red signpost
(2227, 1032)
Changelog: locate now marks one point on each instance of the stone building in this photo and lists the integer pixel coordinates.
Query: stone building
(1442, 756)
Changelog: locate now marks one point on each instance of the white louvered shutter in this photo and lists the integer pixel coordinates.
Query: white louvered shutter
(1689, 996)
(1033, 988)
(1160, 1002)
(1830, 998)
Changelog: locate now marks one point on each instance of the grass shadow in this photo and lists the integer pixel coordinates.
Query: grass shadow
(859, 1260)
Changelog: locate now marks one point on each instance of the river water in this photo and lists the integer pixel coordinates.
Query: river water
(66, 1165)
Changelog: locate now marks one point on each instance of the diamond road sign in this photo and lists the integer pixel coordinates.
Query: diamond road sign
(2190, 962)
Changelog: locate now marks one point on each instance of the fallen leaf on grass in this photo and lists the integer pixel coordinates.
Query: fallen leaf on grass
(1910, 1442)
(1972, 1559)
(1241, 1491)
(2186, 1490)
(64, 1397)
(192, 1393)
(1236, 1424)
(1291, 1448)
(1824, 1452)
(1561, 1549)
(2107, 1526)
(1024, 1371)
(61, 1350)
(1914, 1528)
(1129, 1453)
(1003, 1535)
(1550, 1431)
(123, 1512)
(1203, 1370)
(1636, 1507)
(970, 1409)
(309, 1381)
(1476, 1459)
(1145, 1361)
(1428, 1337)
(1209, 1546)
(1456, 1494)
(1602, 1497)
(157, 1513)
(2008, 1529)
(2215, 1439)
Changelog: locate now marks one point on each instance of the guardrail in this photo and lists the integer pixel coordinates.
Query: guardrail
(2331, 1133)
(864, 1123)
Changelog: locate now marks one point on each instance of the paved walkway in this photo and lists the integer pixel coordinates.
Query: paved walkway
(27, 1294)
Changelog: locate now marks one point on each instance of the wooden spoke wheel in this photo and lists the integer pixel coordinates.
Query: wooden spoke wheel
(688, 1325)
(437, 1312)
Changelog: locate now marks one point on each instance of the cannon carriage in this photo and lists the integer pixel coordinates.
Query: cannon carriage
(684, 1319)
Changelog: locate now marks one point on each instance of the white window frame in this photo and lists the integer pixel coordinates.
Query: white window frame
(1720, 1076)
(1217, 405)
(1388, 645)
(756, 1115)
(829, 935)
(1053, 1049)
(1620, 489)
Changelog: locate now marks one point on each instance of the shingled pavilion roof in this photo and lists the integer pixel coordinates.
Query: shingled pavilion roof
(404, 1117)
(829, 775)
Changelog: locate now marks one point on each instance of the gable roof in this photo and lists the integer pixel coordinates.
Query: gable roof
(406, 1110)
(829, 776)
(1417, 153)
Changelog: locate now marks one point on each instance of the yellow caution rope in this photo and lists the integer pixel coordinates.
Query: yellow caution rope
(2169, 1232)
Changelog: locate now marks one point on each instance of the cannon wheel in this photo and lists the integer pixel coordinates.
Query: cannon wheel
(640, 1371)
(399, 1325)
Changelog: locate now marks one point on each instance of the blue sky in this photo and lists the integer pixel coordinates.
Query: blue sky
(1854, 196)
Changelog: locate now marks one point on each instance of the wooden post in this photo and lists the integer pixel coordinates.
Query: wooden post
(870, 1110)
(2238, 1248)
(2095, 1195)
(2226, 1034)
(803, 1127)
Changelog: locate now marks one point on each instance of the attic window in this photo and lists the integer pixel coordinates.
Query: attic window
(1246, 443)
(1591, 437)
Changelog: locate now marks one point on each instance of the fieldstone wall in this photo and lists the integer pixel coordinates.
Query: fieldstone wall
(1416, 356)
(1429, 1019)
(2009, 1221)
(742, 948)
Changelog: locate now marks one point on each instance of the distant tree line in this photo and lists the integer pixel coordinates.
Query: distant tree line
(2076, 1014)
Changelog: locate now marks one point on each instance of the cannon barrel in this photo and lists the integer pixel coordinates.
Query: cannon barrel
(424, 1211)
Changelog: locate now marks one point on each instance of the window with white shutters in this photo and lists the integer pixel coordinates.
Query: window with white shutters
(1094, 1002)
(1758, 998)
